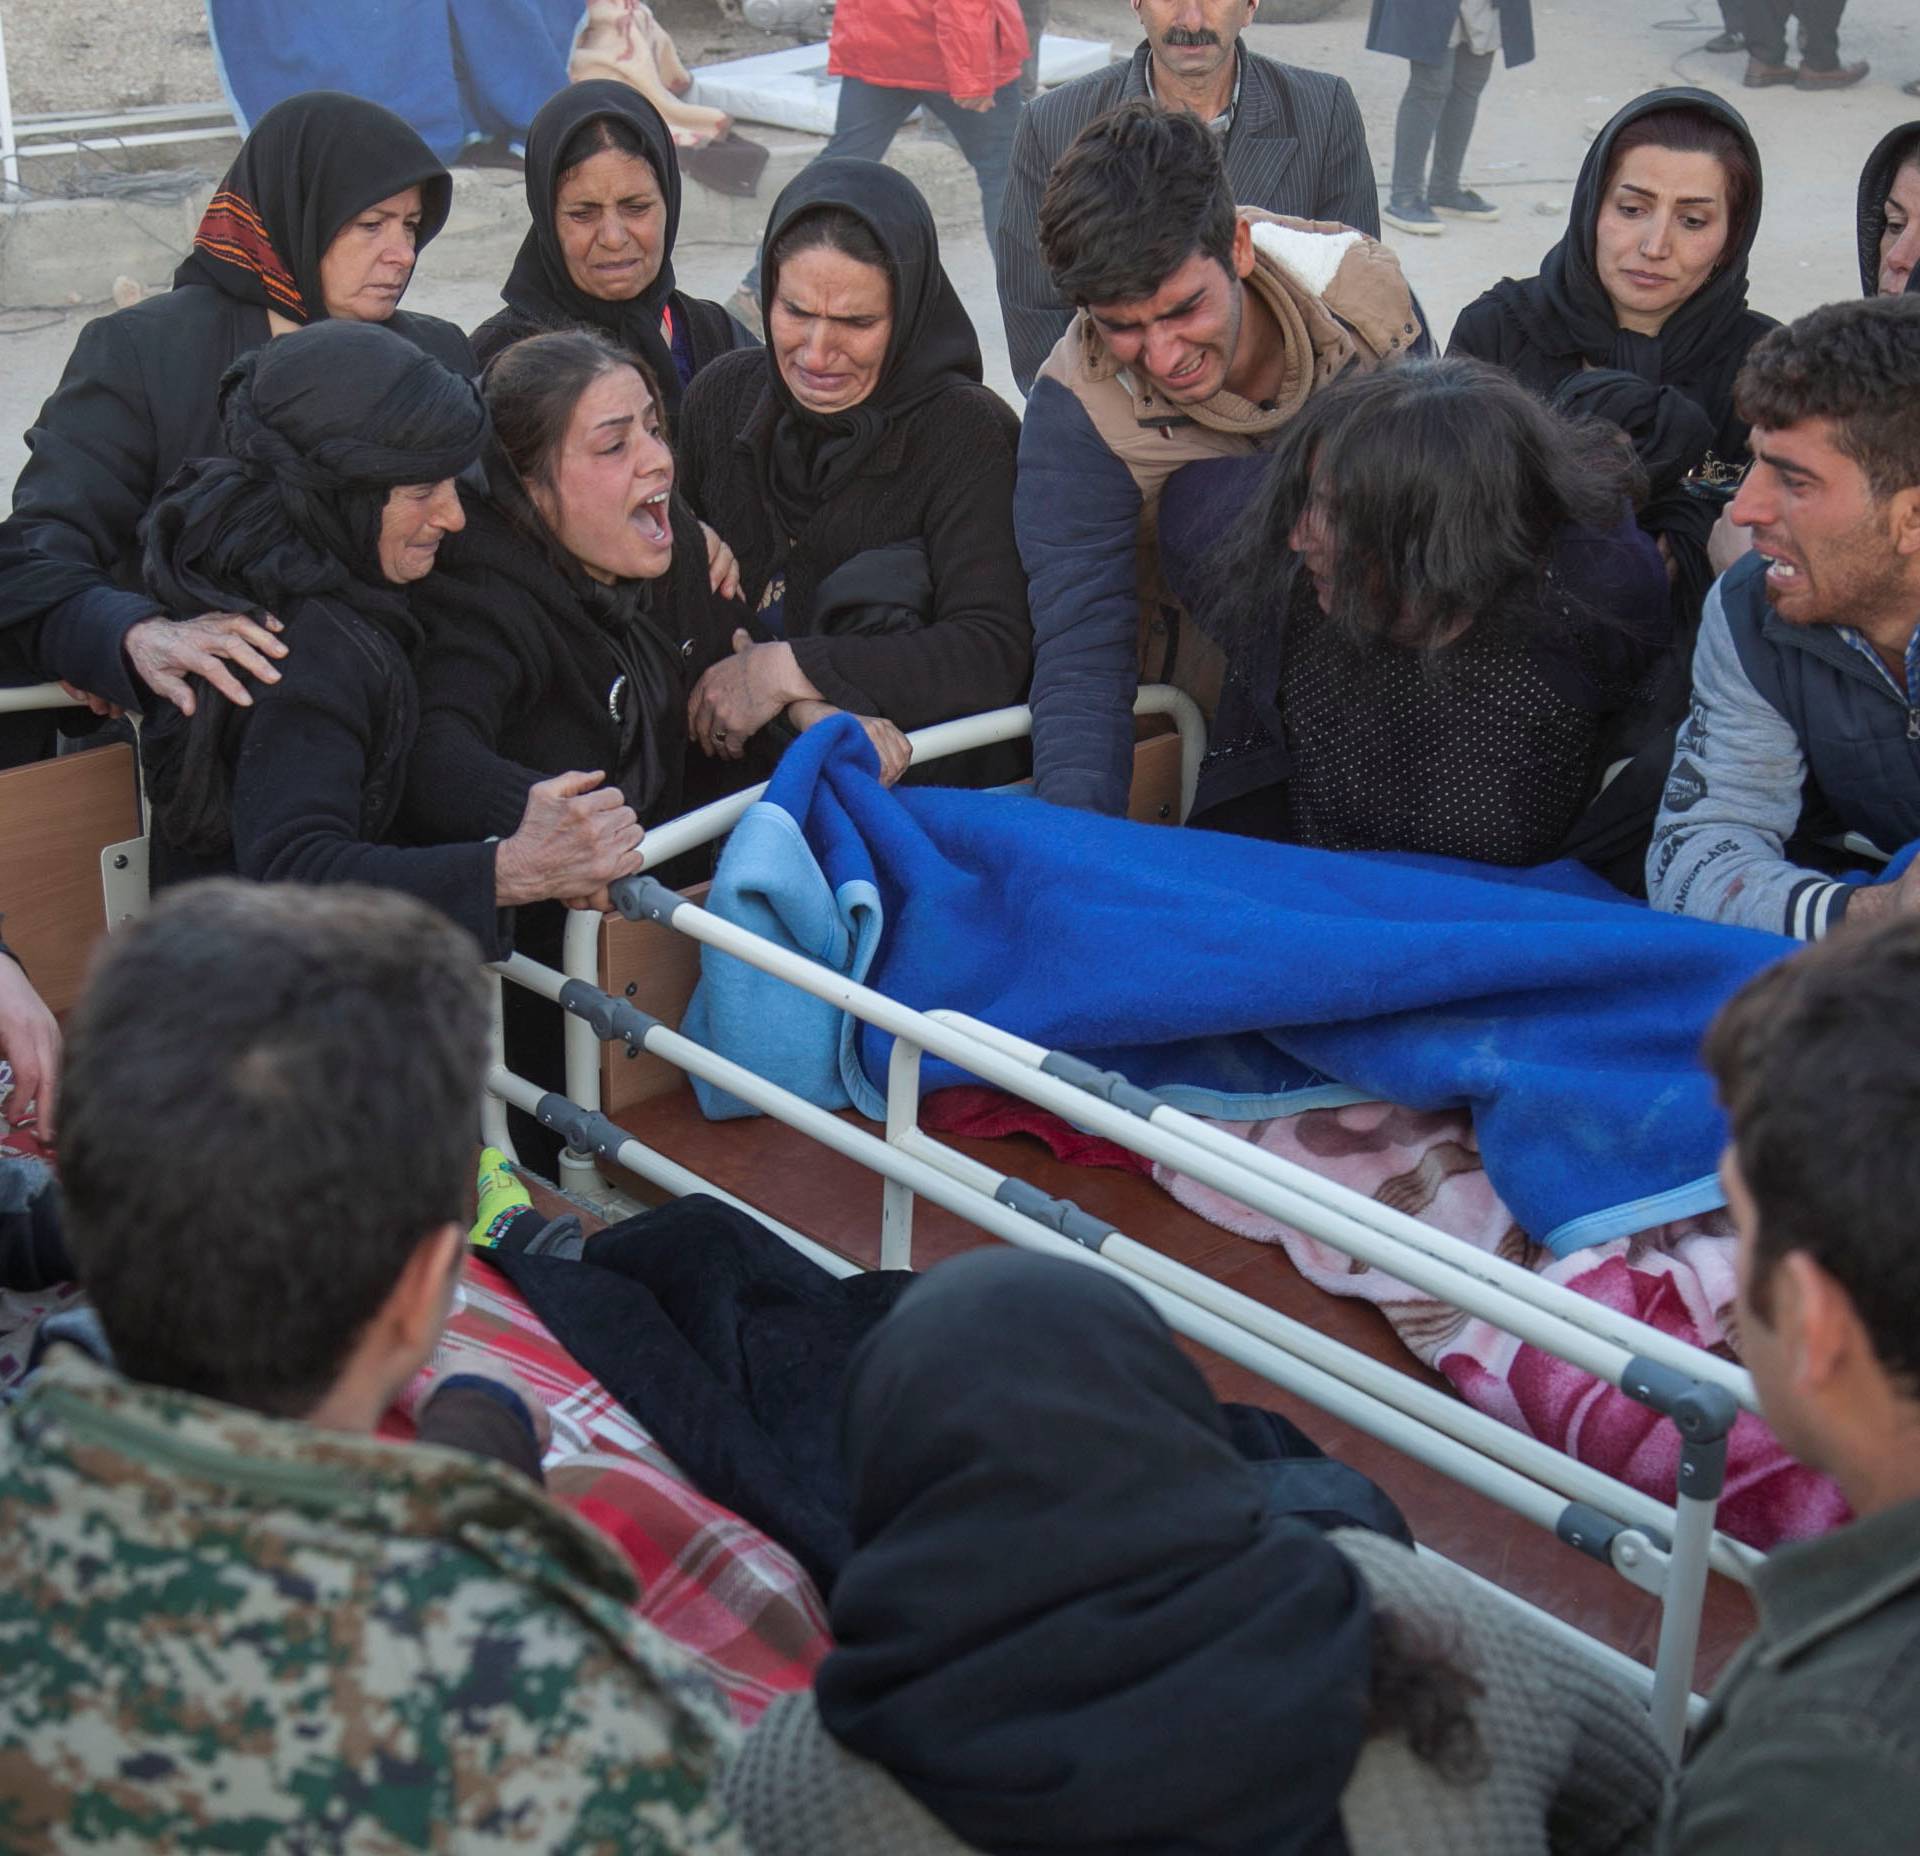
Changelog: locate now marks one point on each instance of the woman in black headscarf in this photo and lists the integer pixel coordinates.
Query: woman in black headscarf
(1073, 1621)
(322, 215)
(861, 474)
(1649, 282)
(603, 187)
(334, 497)
(1888, 215)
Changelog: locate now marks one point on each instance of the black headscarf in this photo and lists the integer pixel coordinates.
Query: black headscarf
(1895, 149)
(1068, 1622)
(538, 285)
(309, 165)
(319, 426)
(1566, 308)
(932, 345)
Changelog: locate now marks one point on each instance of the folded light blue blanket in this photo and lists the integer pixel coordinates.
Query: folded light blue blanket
(1239, 978)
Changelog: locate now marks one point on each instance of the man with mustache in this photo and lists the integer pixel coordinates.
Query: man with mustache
(1202, 329)
(1292, 139)
(1806, 679)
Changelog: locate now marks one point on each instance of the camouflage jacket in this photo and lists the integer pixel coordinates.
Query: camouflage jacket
(223, 1631)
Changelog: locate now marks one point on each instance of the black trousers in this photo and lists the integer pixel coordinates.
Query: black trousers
(1819, 31)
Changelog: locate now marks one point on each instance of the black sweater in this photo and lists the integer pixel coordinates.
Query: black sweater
(317, 767)
(943, 475)
(1486, 331)
(139, 397)
(519, 666)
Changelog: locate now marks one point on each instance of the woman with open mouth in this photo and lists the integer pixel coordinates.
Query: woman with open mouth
(603, 186)
(863, 477)
(329, 510)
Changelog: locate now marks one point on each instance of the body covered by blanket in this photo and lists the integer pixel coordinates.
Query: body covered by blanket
(1239, 978)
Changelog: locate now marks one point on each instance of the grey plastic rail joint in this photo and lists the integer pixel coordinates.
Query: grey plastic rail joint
(1702, 1414)
(1060, 1215)
(1589, 1530)
(613, 1021)
(645, 898)
(584, 1132)
(1108, 1085)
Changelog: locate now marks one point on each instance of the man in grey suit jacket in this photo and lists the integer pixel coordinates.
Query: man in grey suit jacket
(1293, 139)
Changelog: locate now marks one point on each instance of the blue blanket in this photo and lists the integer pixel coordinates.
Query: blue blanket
(457, 70)
(1239, 978)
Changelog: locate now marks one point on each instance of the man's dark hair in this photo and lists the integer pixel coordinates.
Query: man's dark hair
(1857, 364)
(1140, 190)
(1448, 485)
(1818, 1063)
(269, 1100)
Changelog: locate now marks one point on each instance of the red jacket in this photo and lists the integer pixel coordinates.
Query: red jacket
(963, 48)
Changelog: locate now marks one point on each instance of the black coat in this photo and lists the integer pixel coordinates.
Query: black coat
(942, 476)
(317, 767)
(138, 399)
(1297, 146)
(1487, 331)
(518, 671)
(711, 331)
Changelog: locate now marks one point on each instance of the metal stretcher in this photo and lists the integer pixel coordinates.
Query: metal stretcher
(1665, 1549)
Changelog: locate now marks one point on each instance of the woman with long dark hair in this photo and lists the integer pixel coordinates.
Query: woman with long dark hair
(861, 474)
(332, 501)
(603, 189)
(1075, 1620)
(322, 216)
(1434, 601)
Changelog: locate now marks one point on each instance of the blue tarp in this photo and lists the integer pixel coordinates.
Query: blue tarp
(457, 70)
(1239, 978)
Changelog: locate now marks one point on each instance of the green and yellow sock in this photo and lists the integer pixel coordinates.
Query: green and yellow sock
(502, 1198)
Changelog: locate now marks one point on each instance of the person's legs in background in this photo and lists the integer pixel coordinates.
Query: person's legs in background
(1733, 21)
(1428, 88)
(1034, 13)
(986, 139)
(1445, 195)
(864, 125)
(1767, 43)
(1820, 66)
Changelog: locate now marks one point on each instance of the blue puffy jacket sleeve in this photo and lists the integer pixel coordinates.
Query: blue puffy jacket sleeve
(1076, 512)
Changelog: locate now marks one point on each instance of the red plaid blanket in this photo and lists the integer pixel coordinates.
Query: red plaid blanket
(716, 1586)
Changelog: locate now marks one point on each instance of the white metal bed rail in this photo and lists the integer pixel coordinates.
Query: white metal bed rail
(1665, 1549)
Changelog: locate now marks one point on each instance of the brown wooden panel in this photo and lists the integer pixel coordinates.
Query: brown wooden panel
(1155, 796)
(656, 968)
(56, 816)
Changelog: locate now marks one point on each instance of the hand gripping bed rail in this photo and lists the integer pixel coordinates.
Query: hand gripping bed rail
(1663, 1549)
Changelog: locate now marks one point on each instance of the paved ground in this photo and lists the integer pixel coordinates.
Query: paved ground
(1535, 124)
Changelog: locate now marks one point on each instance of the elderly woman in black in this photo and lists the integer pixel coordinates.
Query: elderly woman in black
(603, 187)
(861, 474)
(322, 216)
(333, 500)
(1436, 605)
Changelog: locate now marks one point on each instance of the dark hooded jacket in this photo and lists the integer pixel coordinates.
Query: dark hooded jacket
(1546, 329)
(1070, 1621)
(304, 785)
(1895, 148)
(913, 487)
(539, 294)
(139, 395)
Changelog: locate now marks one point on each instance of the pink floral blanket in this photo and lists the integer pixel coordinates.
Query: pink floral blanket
(1676, 1277)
